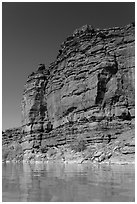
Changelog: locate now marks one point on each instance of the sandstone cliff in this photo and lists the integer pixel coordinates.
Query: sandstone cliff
(88, 91)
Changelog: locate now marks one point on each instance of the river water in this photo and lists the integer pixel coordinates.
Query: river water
(54, 182)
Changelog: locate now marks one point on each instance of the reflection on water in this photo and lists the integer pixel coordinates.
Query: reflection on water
(68, 182)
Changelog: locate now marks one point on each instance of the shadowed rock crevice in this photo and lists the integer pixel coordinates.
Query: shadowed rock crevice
(110, 68)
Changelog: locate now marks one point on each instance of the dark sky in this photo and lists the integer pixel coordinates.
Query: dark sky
(32, 34)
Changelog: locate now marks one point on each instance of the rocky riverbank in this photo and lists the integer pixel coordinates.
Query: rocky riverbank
(120, 151)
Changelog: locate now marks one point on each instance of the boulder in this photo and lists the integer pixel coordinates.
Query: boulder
(98, 154)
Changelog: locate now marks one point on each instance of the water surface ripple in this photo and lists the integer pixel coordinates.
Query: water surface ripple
(59, 182)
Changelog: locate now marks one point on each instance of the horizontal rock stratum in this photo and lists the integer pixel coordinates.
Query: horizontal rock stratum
(88, 91)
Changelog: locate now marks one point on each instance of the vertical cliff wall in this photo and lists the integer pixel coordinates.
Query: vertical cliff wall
(91, 80)
(34, 103)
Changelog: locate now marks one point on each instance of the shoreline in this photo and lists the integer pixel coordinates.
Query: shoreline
(109, 162)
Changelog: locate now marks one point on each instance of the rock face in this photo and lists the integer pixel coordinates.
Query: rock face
(11, 135)
(34, 103)
(89, 87)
